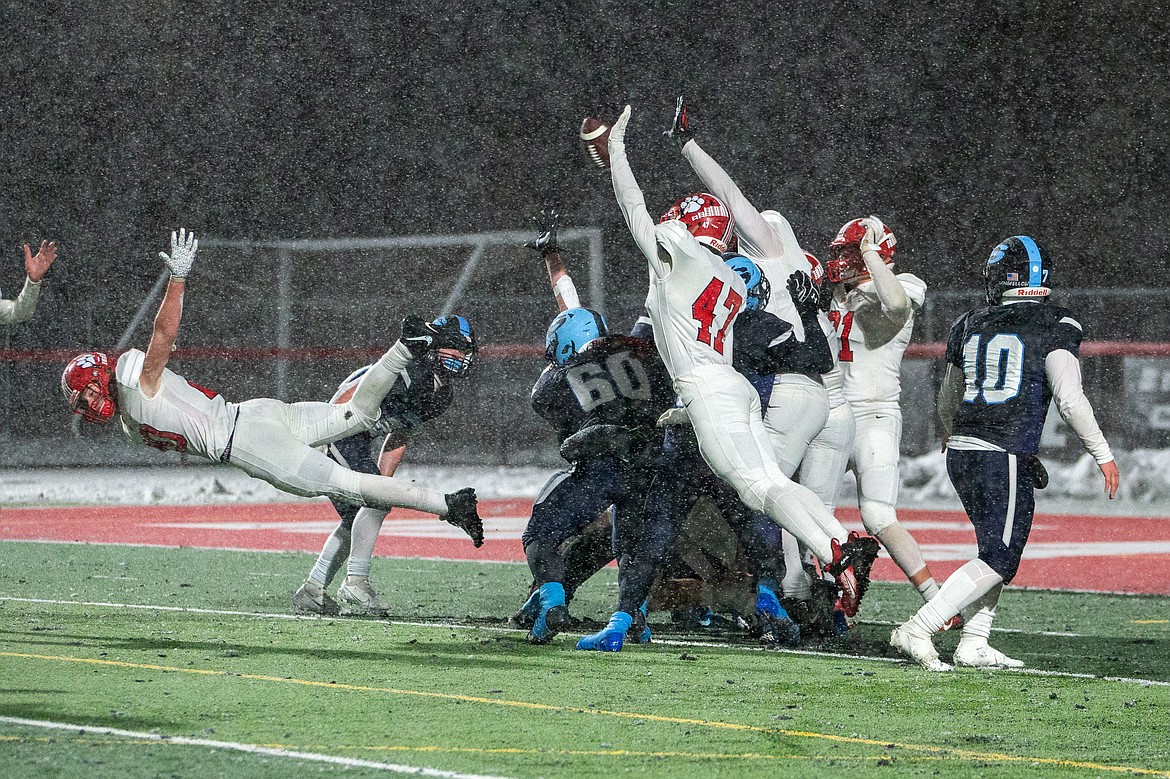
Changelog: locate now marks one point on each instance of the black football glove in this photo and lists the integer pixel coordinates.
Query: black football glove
(826, 294)
(806, 295)
(546, 240)
(680, 131)
(418, 335)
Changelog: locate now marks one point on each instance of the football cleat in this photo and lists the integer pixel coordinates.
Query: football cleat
(918, 647)
(846, 581)
(610, 637)
(640, 631)
(357, 597)
(779, 629)
(979, 654)
(861, 551)
(462, 513)
(311, 598)
(525, 618)
(552, 614)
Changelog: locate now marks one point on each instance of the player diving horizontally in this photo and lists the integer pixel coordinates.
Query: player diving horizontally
(1005, 363)
(265, 438)
(693, 303)
(424, 390)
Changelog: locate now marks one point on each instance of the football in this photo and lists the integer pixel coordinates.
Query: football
(595, 136)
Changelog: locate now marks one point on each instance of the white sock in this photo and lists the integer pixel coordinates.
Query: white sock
(961, 589)
(385, 492)
(904, 550)
(800, 512)
(377, 381)
(796, 582)
(977, 621)
(366, 526)
(333, 554)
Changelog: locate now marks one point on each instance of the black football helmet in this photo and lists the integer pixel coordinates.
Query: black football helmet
(1017, 268)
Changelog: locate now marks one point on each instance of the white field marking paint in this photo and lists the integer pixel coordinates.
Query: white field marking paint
(249, 748)
(661, 642)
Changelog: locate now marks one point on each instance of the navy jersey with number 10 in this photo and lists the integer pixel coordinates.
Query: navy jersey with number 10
(1002, 351)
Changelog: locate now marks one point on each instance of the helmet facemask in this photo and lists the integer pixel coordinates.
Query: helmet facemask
(90, 371)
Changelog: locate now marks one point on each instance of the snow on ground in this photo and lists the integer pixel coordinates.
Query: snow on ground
(1075, 487)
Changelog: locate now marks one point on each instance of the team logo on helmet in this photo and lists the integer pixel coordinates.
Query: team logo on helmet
(706, 218)
(571, 331)
(89, 371)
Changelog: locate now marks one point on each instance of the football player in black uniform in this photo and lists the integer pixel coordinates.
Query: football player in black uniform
(424, 391)
(1005, 363)
(602, 395)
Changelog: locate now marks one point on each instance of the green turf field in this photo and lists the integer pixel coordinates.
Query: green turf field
(443, 686)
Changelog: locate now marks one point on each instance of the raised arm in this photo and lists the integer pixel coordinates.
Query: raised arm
(756, 237)
(558, 277)
(36, 266)
(170, 311)
(889, 307)
(630, 199)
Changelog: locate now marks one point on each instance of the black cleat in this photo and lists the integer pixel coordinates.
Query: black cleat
(462, 513)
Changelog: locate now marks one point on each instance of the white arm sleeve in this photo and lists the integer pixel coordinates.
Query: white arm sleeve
(755, 235)
(633, 205)
(13, 312)
(949, 395)
(566, 292)
(1064, 375)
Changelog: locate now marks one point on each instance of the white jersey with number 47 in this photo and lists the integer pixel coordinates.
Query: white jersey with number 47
(693, 302)
(872, 373)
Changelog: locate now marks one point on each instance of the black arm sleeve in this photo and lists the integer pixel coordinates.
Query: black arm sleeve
(809, 356)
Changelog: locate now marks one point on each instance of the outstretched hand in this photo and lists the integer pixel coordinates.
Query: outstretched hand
(36, 266)
(546, 240)
(617, 133)
(680, 131)
(182, 256)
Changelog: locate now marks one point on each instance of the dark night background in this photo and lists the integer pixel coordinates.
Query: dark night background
(958, 123)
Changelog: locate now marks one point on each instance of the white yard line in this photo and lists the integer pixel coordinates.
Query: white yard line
(661, 642)
(249, 748)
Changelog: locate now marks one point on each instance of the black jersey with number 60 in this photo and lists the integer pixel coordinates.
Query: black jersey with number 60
(615, 380)
(1001, 351)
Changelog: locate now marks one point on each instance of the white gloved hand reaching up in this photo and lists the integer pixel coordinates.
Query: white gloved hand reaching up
(182, 256)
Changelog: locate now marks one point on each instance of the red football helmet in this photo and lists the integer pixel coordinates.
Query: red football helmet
(845, 263)
(706, 218)
(91, 369)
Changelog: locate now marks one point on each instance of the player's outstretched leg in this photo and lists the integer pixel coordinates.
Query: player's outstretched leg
(610, 637)
(553, 616)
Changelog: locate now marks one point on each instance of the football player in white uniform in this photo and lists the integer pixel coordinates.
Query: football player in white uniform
(873, 312)
(13, 312)
(693, 302)
(266, 438)
(807, 418)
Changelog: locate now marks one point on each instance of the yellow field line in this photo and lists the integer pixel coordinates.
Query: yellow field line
(715, 724)
(1149, 621)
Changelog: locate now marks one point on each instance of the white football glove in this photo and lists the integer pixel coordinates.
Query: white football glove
(617, 133)
(875, 231)
(182, 256)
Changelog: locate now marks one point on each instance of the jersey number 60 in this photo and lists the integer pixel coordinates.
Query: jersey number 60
(1002, 361)
(595, 384)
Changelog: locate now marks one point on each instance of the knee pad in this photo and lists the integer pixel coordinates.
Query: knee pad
(876, 515)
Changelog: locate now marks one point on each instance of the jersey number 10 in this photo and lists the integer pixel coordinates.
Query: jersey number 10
(1002, 360)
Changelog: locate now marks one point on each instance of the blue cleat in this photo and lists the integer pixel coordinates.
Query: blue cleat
(610, 637)
(525, 618)
(553, 616)
(779, 628)
(640, 628)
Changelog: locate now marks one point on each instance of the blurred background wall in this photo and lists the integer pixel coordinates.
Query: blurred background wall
(958, 123)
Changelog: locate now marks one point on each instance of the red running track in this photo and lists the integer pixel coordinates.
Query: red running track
(1111, 554)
